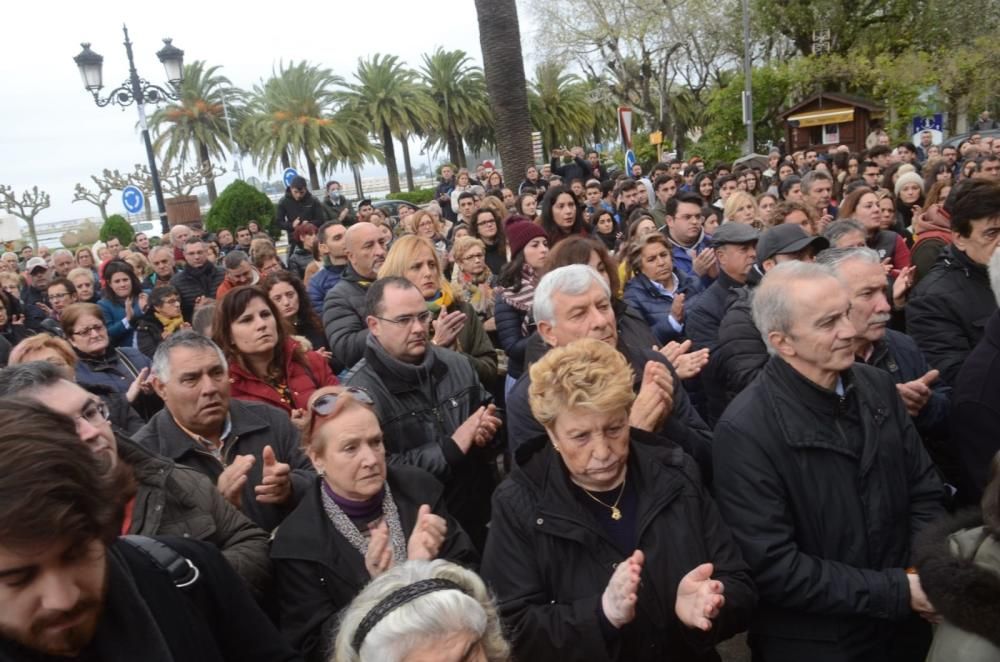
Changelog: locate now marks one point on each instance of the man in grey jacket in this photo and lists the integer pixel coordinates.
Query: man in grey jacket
(433, 410)
(170, 499)
(249, 450)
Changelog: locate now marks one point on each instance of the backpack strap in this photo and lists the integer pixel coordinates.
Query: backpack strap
(180, 569)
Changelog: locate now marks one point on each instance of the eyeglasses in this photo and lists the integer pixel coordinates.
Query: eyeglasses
(97, 328)
(486, 224)
(95, 413)
(324, 404)
(407, 320)
(475, 256)
(171, 301)
(58, 296)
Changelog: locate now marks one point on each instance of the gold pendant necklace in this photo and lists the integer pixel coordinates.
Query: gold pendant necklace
(616, 514)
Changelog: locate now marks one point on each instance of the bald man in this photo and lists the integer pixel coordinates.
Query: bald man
(344, 306)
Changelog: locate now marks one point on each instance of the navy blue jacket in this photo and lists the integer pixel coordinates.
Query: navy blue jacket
(322, 282)
(703, 318)
(654, 304)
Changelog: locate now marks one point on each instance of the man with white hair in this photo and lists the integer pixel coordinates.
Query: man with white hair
(62, 263)
(179, 234)
(976, 416)
(574, 302)
(821, 475)
(928, 401)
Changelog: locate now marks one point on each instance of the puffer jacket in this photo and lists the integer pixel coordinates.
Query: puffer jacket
(824, 494)
(173, 500)
(192, 283)
(739, 355)
(654, 305)
(300, 380)
(419, 407)
(948, 311)
(317, 571)
(298, 261)
(513, 340)
(344, 317)
(959, 564)
(549, 560)
(321, 283)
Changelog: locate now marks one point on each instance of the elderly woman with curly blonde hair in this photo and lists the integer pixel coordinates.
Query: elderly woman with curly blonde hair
(596, 511)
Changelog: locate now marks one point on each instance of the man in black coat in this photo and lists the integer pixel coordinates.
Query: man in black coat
(975, 420)
(740, 352)
(344, 308)
(198, 280)
(949, 307)
(822, 477)
(298, 206)
(574, 302)
(73, 589)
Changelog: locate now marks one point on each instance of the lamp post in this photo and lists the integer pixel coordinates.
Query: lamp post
(136, 91)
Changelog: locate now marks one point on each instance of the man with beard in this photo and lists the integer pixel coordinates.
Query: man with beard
(821, 475)
(71, 588)
(170, 499)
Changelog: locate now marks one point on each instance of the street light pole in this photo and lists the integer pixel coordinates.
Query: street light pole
(140, 92)
(748, 78)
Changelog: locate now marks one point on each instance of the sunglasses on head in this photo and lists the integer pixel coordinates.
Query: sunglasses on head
(325, 404)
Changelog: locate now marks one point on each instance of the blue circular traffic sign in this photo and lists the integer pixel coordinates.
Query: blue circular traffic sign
(133, 199)
(629, 161)
(288, 175)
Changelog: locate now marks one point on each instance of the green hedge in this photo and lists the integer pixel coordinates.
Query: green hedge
(239, 204)
(117, 226)
(419, 197)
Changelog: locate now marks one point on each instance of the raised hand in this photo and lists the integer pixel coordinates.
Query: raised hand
(276, 482)
(655, 398)
(427, 537)
(378, 558)
(690, 364)
(234, 477)
(489, 423)
(901, 286)
(699, 598)
(139, 385)
(622, 592)
(447, 326)
(673, 350)
(677, 308)
(704, 261)
(916, 393)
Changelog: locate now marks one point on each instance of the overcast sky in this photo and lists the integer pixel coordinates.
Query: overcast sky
(53, 135)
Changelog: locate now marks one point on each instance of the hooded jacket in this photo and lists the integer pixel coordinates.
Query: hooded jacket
(307, 209)
(824, 494)
(549, 560)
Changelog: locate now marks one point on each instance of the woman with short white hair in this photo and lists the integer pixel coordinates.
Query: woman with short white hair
(422, 610)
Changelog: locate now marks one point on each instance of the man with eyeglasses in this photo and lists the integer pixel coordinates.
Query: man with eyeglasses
(434, 412)
(692, 248)
(344, 305)
(170, 499)
(198, 280)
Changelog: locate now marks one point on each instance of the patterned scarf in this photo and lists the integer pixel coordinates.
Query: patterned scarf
(359, 541)
(475, 291)
(441, 299)
(523, 298)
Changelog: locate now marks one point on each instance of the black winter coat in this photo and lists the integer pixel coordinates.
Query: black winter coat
(739, 355)
(683, 427)
(307, 209)
(948, 311)
(975, 420)
(824, 494)
(298, 261)
(192, 283)
(344, 318)
(419, 415)
(704, 316)
(549, 561)
(318, 573)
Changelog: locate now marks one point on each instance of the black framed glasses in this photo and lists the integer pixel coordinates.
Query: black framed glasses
(407, 320)
(97, 328)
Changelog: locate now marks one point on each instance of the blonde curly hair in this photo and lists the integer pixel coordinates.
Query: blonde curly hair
(586, 373)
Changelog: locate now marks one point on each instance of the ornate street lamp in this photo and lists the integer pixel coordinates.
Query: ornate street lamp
(138, 91)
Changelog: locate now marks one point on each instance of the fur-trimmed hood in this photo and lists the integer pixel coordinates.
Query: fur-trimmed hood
(959, 565)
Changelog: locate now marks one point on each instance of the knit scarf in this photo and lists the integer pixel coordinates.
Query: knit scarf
(170, 324)
(359, 541)
(440, 299)
(475, 291)
(523, 298)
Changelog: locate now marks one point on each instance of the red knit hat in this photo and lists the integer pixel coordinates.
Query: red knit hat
(520, 231)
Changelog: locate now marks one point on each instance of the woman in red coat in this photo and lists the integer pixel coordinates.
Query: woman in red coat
(265, 363)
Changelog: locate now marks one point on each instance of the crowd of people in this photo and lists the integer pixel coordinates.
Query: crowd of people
(590, 414)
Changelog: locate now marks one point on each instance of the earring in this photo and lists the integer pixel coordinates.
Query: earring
(555, 447)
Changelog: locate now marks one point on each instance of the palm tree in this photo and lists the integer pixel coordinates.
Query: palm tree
(387, 94)
(500, 40)
(461, 107)
(196, 122)
(296, 112)
(559, 106)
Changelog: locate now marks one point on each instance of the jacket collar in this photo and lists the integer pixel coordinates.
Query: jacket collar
(957, 259)
(174, 442)
(401, 377)
(149, 469)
